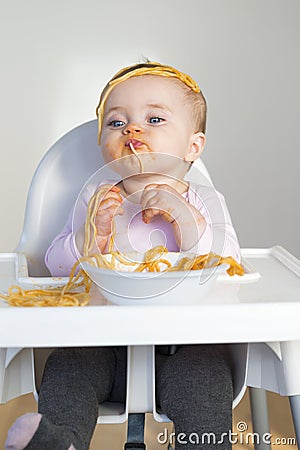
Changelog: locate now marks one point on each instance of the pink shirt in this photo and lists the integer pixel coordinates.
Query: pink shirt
(132, 234)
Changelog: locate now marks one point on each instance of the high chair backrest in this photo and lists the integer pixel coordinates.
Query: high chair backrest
(55, 185)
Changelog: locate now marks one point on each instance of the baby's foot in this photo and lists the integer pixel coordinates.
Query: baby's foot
(22, 431)
(36, 432)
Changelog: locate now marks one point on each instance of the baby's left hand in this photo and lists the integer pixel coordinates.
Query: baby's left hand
(162, 199)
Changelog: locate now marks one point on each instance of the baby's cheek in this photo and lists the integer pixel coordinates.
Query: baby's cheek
(109, 153)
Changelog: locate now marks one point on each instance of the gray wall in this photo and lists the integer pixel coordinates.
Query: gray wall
(56, 57)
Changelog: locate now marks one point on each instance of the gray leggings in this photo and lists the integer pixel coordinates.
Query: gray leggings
(194, 389)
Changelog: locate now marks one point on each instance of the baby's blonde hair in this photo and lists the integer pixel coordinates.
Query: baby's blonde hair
(195, 98)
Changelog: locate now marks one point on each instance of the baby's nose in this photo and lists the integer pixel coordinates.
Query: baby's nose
(132, 128)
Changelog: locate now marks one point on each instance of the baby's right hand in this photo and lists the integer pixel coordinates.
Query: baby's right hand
(110, 205)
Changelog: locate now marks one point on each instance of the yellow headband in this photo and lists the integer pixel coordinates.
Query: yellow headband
(151, 68)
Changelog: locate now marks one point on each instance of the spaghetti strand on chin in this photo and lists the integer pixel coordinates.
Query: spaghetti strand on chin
(137, 156)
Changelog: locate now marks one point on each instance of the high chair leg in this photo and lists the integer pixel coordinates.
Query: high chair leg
(295, 408)
(260, 418)
(135, 432)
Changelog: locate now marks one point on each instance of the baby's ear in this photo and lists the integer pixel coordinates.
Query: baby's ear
(196, 146)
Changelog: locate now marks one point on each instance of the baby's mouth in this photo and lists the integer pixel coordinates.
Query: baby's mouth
(134, 142)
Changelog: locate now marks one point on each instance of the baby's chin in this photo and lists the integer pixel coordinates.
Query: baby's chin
(126, 166)
(150, 163)
(165, 164)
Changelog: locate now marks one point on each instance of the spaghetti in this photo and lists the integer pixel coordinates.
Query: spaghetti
(65, 296)
(138, 157)
(153, 258)
(150, 68)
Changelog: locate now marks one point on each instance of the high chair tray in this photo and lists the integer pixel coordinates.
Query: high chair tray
(267, 309)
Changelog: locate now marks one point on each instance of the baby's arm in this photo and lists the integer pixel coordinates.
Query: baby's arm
(219, 236)
(67, 247)
(201, 222)
(62, 253)
(188, 223)
(110, 205)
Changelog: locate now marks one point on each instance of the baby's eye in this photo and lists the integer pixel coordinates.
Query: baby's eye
(156, 119)
(116, 123)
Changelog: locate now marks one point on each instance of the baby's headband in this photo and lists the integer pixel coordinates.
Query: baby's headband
(151, 68)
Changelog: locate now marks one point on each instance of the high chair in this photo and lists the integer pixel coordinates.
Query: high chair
(54, 188)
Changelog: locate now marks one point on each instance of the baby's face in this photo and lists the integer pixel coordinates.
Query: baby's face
(150, 113)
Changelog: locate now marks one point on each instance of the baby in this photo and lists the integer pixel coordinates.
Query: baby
(152, 121)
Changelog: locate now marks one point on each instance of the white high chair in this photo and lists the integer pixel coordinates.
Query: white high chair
(54, 188)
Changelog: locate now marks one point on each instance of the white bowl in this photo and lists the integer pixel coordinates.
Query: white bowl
(126, 287)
